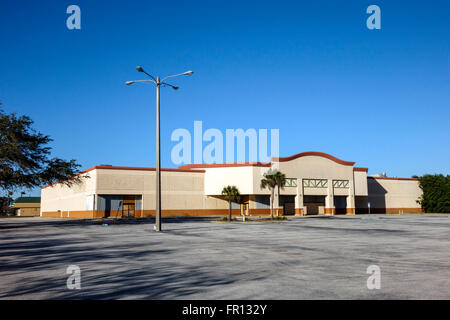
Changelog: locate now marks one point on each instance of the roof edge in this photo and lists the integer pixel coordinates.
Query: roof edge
(392, 178)
(316, 154)
(143, 169)
(224, 165)
(127, 168)
(27, 200)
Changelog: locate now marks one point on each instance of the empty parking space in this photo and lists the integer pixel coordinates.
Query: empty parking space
(303, 258)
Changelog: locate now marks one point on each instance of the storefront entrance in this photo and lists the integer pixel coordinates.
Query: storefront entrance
(288, 205)
(289, 208)
(128, 206)
(119, 206)
(314, 204)
(340, 204)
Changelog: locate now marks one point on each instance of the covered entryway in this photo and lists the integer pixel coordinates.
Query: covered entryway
(314, 205)
(245, 200)
(129, 206)
(340, 204)
(289, 209)
(119, 206)
(288, 205)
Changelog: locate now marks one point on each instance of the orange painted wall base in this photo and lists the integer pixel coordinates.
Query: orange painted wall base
(388, 210)
(91, 214)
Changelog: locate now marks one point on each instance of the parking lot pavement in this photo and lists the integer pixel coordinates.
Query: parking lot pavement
(303, 258)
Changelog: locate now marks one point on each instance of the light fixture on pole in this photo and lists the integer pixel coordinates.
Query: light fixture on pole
(158, 84)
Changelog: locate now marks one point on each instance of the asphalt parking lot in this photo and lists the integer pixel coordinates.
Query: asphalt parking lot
(304, 258)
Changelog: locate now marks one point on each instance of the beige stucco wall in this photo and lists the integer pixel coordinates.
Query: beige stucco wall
(28, 211)
(360, 178)
(26, 205)
(258, 175)
(197, 192)
(180, 190)
(393, 193)
(60, 197)
(315, 167)
(241, 177)
(248, 178)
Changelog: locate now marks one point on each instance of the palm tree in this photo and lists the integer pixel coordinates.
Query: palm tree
(231, 193)
(280, 178)
(272, 180)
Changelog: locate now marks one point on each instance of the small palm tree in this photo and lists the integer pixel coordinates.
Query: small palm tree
(280, 178)
(272, 180)
(231, 194)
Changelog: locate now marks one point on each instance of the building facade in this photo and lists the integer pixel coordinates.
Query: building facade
(27, 206)
(317, 183)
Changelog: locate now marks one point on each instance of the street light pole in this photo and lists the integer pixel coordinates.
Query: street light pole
(158, 162)
(158, 84)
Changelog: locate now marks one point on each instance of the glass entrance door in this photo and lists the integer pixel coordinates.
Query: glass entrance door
(128, 210)
(245, 209)
(129, 206)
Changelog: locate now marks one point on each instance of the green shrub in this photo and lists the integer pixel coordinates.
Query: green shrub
(436, 193)
(226, 219)
(277, 218)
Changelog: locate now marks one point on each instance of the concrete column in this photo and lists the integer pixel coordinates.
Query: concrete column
(299, 210)
(329, 201)
(351, 198)
(95, 208)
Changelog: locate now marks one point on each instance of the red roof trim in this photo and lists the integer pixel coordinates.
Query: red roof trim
(392, 178)
(128, 168)
(315, 154)
(143, 169)
(360, 169)
(224, 165)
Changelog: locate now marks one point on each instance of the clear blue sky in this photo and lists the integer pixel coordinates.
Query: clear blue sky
(310, 68)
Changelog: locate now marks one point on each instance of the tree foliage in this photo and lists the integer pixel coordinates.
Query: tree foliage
(273, 179)
(435, 193)
(25, 160)
(231, 194)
